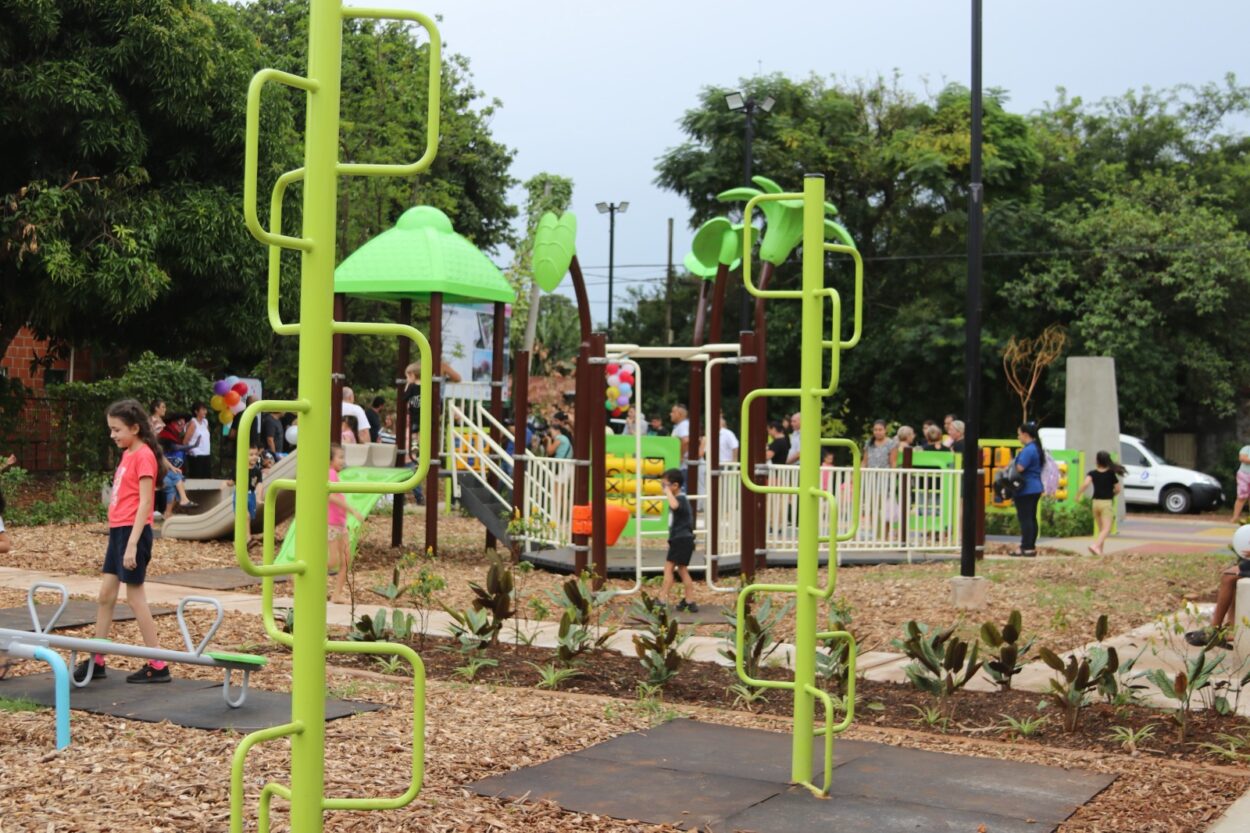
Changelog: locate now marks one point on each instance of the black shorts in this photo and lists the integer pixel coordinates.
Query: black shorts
(1243, 567)
(680, 550)
(119, 536)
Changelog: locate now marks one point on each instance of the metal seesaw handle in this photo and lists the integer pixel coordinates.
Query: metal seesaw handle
(34, 612)
(182, 622)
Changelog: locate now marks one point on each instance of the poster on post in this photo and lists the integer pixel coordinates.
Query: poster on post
(467, 349)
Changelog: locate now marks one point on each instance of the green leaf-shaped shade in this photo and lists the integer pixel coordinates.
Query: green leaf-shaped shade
(837, 232)
(555, 243)
(715, 242)
(421, 255)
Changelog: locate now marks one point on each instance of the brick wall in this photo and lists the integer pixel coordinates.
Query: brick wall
(37, 440)
(17, 362)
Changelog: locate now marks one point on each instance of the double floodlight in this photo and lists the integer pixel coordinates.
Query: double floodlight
(737, 103)
(605, 207)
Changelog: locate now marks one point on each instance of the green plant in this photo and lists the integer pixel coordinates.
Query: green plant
(931, 716)
(747, 696)
(472, 629)
(288, 620)
(421, 591)
(19, 704)
(521, 571)
(1235, 748)
(1024, 727)
(758, 642)
(941, 662)
(1070, 691)
(552, 677)
(472, 666)
(75, 499)
(579, 621)
(496, 597)
(388, 665)
(832, 663)
(1128, 738)
(659, 647)
(391, 591)
(381, 627)
(1008, 661)
(651, 705)
(1182, 687)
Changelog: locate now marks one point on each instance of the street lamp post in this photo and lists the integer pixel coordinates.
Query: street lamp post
(611, 209)
(748, 106)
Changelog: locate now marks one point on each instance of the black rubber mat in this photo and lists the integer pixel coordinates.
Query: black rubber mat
(698, 775)
(77, 613)
(196, 704)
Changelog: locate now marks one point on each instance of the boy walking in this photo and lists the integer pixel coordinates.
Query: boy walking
(680, 541)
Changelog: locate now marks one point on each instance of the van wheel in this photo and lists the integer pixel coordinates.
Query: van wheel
(1176, 500)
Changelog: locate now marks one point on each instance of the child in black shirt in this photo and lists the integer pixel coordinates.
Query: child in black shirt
(1105, 480)
(680, 542)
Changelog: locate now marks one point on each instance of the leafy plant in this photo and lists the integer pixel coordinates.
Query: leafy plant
(496, 597)
(942, 663)
(1234, 748)
(833, 663)
(288, 619)
(1128, 738)
(747, 696)
(472, 629)
(759, 629)
(1024, 727)
(659, 647)
(388, 665)
(1070, 691)
(551, 676)
(383, 627)
(1008, 661)
(931, 716)
(75, 499)
(579, 621)
(472, 666)
(651, 705)
(1182, 687)
(421, 590)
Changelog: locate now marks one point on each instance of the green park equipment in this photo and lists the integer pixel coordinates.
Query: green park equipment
(362, 503)
(315, 330)
(810, 393)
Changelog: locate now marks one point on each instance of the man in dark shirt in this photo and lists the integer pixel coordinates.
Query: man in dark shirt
(375, 418)
(779, 448)
(272, 434)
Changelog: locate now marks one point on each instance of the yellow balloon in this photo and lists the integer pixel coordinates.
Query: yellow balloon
(216, 403)
(225, 416)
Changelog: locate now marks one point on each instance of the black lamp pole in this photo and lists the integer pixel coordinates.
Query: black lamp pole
(610, 208)
(748, 106)
(972, 486)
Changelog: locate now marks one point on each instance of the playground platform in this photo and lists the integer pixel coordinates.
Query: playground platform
(702, 776)
(622, 560)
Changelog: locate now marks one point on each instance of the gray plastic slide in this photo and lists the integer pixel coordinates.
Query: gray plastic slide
(217, 521)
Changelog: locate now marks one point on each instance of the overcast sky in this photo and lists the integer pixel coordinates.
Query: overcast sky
(594, 91)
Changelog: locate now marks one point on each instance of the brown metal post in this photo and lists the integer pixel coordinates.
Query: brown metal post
(435, 337)
(746, 384)
(520, 406)
(401, 422)
(336, 372)
(695, 402)
(598, 455)
(496, 396)
(583, 406)
(714, 414)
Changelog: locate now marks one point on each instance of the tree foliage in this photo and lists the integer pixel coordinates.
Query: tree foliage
(1124, 221)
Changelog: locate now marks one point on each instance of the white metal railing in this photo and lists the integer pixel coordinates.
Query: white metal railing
(907, 510)
(472, 450)
(549, 499)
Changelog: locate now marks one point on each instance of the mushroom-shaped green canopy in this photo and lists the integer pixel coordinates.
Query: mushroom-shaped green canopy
(421, 255)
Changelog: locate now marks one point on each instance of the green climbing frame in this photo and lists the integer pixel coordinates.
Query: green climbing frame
(811, 391)
(315, 331)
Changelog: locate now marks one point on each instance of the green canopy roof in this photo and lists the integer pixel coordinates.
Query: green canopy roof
(422, 255)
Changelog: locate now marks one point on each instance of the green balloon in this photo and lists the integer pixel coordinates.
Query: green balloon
(555, 243)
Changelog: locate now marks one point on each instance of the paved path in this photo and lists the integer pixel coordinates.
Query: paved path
(1151, 534)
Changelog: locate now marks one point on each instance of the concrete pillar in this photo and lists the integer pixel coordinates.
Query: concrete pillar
(1093, 412)
(1241, 615)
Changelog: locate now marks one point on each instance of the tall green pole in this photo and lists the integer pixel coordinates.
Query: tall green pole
(808, 579)
(308, 690)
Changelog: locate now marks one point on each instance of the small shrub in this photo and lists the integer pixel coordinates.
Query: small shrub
(759, 640)
(833, 663)
(471, 629)
(496, 597)
(747, 696)
(1008, 661)
(1128, 738)
(583, 609)
(1070, 690)
(472, 666)
(941, 662)
(659, 647)
(552, 677)
(383, 626)
(1195, 678)
(1024, 727)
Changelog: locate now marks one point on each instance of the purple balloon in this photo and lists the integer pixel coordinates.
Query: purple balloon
(220, 387)
(623, 401)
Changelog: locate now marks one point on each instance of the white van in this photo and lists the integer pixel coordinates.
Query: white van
(1151, 481)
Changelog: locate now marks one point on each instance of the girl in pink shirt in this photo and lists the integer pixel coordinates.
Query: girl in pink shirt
(130, 536)
(338, 554)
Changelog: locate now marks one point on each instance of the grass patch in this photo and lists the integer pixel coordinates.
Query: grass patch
(19, 704)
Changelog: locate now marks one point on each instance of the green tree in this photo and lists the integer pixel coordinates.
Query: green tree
(121, 126)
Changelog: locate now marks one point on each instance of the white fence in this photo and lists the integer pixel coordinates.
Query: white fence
(901, 510)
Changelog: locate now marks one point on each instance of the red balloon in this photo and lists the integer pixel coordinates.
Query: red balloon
(240, 388)
(626, 377)
(231, 398)
(613, 368)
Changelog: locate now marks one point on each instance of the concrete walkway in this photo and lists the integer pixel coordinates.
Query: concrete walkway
(1154, 534)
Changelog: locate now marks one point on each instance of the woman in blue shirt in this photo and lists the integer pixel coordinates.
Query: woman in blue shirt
(1028, 465)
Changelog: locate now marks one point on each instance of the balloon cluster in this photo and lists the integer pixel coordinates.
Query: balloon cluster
(620, 389)
(229, 398)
